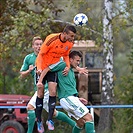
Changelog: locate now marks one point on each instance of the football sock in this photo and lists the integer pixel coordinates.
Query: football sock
(51, 105)
(63, 117)
(76, 129)
(31, 120)
(39, 107)
(89, 127)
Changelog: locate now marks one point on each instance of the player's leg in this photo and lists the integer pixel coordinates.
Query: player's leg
(31, 118)
(78, 111)
(31, 114)
(89, 123)
(51, 104)
(89, 127)
(39, 98)
(39, 107)
(52, 83)
(78, 126)
(39, 103)
(57, 114)
(76, 129)
(63, 117)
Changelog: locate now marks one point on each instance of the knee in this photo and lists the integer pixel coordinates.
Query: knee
(80, 123)
(40, 92)
(88, 117)
(52, 88)
(30, 107)
(52, 92)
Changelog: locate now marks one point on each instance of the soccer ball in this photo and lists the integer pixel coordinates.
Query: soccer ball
(80, 19)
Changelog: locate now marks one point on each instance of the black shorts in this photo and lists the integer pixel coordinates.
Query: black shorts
(49, 77)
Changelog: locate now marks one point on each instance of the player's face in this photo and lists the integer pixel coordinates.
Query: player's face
(75, 61)
(37, 45)
(70, 36)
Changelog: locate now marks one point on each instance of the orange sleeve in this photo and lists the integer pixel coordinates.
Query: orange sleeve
(66, 59)
(39, 62)
(44, 49)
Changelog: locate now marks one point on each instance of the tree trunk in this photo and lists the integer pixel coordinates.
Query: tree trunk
(105, 120)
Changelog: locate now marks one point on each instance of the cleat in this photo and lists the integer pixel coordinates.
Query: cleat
(40, 127)
(50, 124)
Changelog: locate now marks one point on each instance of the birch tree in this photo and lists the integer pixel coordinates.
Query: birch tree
(105, 120)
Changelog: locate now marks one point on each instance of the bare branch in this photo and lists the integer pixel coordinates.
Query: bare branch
(60, 21)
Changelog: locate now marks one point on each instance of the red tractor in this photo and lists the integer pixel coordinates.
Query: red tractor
(13, 119)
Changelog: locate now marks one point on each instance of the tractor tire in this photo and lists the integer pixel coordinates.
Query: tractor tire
(11, 126)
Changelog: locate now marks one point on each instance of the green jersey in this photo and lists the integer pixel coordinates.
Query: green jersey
(30, 60)
(66, 84)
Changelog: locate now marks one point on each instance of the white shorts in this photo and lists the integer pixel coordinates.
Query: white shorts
(45, 100)
(74, 107)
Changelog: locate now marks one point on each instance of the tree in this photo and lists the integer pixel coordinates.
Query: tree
(107, 83)
(21, 21)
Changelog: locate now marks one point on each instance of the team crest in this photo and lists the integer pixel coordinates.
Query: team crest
(66, 48)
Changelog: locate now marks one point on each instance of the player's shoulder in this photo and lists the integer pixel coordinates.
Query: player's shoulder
(29, 55)
(51, 38)
(53, 35)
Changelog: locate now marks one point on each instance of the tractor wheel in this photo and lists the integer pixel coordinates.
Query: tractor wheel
(11, 126)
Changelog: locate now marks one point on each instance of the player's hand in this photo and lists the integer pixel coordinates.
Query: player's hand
(65, 71)
(31, 67)
(39, 85)
(39, 72)
(84, 101)
(82, 70)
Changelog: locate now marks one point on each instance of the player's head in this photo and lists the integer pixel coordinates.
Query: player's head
(69, 33)
(36, 44)
(75, 58)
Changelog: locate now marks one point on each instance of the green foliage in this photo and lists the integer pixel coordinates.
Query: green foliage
(16, 41)
(124, 95)
(21, 21)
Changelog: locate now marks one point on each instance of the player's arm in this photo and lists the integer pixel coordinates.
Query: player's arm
(66, 59)
(82, 70)
(66, 70)
(25, 73)
(43, 73)
(43, 51)
(84, 101)
(26, 68)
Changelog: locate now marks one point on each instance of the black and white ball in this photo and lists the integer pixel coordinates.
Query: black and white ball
(80, 19)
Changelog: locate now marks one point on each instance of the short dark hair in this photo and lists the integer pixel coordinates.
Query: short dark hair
(72, 54)
(69, 28)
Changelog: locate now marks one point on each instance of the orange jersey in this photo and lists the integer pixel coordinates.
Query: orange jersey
(52, 50)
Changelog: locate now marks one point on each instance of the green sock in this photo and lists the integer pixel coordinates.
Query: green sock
(76, 129)
(62, 116)
(31, 120)
(89, 127)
